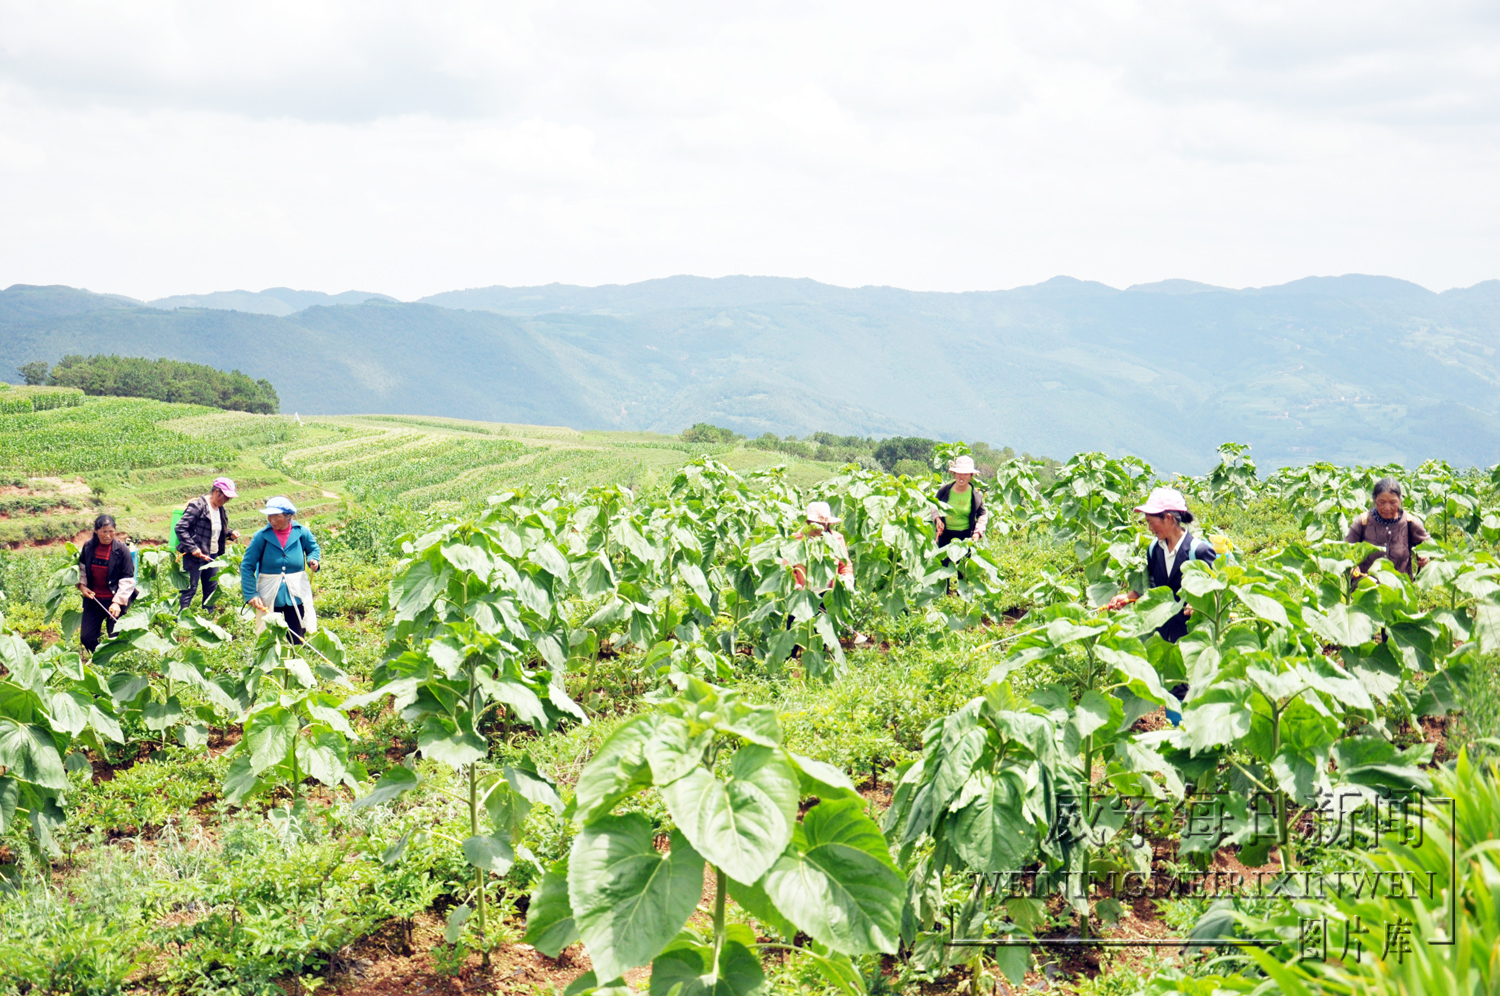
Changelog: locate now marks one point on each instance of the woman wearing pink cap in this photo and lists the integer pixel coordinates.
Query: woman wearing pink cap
(202, 533)
(1166, 513)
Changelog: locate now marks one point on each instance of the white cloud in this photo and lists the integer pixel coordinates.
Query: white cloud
(157, 148)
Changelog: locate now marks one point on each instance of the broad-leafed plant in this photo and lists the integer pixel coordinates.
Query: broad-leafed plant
(733, 792)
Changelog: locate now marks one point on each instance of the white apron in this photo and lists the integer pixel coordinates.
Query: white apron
(298, 586)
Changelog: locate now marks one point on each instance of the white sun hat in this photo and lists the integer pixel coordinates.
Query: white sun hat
(821, 513)
(963, 465)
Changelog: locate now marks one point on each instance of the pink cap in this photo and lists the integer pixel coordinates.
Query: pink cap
(1163, 500)
(226, 487)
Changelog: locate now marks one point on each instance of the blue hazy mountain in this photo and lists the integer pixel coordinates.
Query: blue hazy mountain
(278, 301)
(1352, 368)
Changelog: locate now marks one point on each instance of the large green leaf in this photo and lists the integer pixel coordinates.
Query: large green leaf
(29, 753)
(836, 881)
(617, 769)
(673, 750)
(741, 824)
(269, 737)
(1210, 724)
(490, 853)
(628, 899)
(992, 833)
(105, 724)
(1487, 626)
(685, 971)
(1149, 613)
(754, 900)
(442, 740)
(420, 587)
(469, 558)
(1264, 606)
(159, 716)
(1340, 625)
(1296, 773)
(394, 782)
(522, 700)
(18, 659)
(692, 576)
(323, 755)
(549, 918)
(70, 712)
(240, 781)
(126, 687)
(1092, 712)
(10, 797)
(756, 723)
(533, 785)
(821, 778)
(963, 742)
(552, 561)
(1141, 678)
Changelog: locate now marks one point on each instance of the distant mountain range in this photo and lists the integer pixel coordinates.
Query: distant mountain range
(278, 301)
(1353, 368)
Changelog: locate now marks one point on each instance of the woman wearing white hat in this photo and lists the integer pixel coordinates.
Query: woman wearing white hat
(960, 513)
(273, 574)
(821, 522)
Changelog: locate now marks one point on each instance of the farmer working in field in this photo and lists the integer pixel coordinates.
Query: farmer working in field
(273, 575)
(821, 522)
(1387, 526)
(1166, 514)
(202, 534)
(960, 513)
(106, 576)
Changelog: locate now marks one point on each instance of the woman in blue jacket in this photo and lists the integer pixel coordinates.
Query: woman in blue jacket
(273, 575)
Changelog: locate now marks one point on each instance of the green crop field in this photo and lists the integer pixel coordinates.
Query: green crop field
(597, 712)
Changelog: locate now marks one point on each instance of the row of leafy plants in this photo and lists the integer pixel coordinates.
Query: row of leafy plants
(1294, 677)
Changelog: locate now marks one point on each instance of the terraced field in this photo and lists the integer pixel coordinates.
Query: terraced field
(140, 460)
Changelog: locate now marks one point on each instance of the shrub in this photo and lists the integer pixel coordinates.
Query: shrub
(703, 432)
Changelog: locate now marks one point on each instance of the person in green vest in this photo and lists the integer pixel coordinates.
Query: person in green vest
(960, 512)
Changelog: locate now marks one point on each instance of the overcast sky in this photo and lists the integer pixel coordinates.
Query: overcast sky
(154, 148)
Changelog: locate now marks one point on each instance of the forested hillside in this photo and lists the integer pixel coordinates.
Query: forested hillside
(1347, 368)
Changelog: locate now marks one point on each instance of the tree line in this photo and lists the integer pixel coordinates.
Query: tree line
(894, 455)
(161, 380)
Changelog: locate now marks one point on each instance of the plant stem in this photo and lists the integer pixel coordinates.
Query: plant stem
(1283, 837)
(721, 889)
(478, 872)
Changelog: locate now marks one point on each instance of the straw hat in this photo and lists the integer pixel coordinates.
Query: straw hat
(822, 513)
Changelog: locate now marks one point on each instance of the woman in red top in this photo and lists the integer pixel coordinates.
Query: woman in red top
(106, 576)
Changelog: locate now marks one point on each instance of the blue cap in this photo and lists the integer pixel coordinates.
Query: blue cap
(280, 505)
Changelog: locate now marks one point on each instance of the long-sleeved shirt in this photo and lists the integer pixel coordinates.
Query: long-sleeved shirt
(119, 576)
(979, 515)
(265, 555)
(1395, 536)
